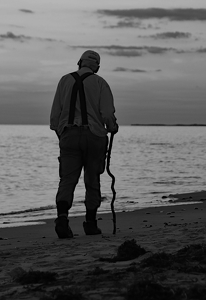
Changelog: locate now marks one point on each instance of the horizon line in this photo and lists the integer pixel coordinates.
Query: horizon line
(162, 124)
(133, 124)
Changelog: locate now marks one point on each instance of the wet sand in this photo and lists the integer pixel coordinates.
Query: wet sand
(35, 264)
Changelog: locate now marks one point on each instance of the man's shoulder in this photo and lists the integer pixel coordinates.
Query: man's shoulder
(104, 84)
(99, 77)
(65, 79)
(101, 80)
(66, 76)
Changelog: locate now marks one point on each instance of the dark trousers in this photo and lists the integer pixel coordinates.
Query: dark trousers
(81, 149)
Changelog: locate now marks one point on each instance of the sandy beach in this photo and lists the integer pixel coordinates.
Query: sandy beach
(157, 253)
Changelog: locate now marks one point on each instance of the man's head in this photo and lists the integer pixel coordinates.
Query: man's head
(90, 59)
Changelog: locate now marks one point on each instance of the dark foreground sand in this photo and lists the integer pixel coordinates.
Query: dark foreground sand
(157, 253)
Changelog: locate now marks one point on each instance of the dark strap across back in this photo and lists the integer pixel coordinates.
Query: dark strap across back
(78, 86)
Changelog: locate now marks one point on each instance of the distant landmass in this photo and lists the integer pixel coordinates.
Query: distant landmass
(168, 124)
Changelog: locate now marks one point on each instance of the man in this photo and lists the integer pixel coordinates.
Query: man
(82, 114)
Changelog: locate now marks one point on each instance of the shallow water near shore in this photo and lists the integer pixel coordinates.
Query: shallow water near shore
(148, 162)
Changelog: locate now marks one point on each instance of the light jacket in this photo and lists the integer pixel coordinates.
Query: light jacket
(99, 102)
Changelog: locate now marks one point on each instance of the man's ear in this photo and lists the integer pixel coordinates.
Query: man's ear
(79, 63)
(97, 69)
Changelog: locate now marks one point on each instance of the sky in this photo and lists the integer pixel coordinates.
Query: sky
(153, 55)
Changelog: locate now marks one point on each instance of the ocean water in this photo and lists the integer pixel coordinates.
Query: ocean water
(148, 162)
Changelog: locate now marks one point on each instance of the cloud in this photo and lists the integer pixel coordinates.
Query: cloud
(178, 14)
(132, 51)
(202, 50)
(129, 51)
(128, 24)
(138, 51)
(10, 35)
(122, 24)
(131, 24)
(26, 11)
(170, 35)
(21, 37)
(120, 69)
(158, 50)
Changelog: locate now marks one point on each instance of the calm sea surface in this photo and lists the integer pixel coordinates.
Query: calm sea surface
(148, 163)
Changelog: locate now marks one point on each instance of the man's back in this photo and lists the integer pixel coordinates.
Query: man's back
(99, 102)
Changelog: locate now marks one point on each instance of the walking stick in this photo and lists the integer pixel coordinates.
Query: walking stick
(113, 182)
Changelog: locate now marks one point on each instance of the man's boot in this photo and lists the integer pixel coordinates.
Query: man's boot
(62, 223)
(62, 228)
(90, 226)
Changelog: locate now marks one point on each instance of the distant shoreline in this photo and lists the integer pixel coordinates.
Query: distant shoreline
(168, 124)
(138, 124)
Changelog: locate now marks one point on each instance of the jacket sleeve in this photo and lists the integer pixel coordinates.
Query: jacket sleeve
(56, 109)
(107, 109)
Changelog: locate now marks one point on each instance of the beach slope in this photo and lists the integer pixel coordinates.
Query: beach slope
(156, 251)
